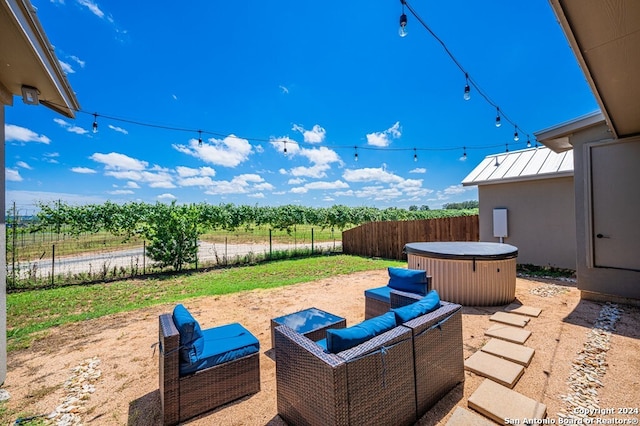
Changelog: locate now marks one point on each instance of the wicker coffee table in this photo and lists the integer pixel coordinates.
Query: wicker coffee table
(312, 323)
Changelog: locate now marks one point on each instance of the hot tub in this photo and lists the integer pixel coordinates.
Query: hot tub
(468, 273)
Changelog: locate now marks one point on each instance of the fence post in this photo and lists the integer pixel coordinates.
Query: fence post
(144, 257)
(311, 240)
(226, 259)
(270, 244)
(53, 262)
(197, 252)
(13, 252)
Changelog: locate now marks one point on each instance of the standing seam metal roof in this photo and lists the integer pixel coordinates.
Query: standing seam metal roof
(527, 164)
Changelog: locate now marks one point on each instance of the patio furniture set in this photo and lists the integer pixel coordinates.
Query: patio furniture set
(389, 369)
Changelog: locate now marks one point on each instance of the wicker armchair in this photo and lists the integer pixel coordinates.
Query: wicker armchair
(377, 301)
(372, 383)
(184, 396)
(438, 351)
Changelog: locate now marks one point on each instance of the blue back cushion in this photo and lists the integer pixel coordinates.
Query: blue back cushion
(411, 280)
(423, 306)
(341, 339)
(191, 337)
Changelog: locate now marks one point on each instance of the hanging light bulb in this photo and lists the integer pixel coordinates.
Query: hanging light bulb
(528, 142)
(467, 89)
(355, 156)
(464, 153)
(507, 146)
(515, 135)
(415, 154)
(402, 31)
(199, 137)
(498, 123)
(95, 123)
(285, 148)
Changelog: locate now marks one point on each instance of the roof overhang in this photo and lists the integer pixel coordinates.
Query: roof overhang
(557, 137)
(605, 38)
(28, 59)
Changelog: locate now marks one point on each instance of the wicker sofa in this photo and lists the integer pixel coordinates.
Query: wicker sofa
(226, 368)
(391, 379)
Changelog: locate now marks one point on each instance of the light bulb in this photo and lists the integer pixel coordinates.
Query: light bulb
(402, 31)
(415, 157)
(467, 92)
(356, 156)
(528, 143)
(515, 136)
(498, 123)
(95, 123)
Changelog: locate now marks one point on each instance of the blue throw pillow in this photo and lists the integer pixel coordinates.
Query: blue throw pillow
(341, 339)
(423, 306)
(411, 280)
(191, 337)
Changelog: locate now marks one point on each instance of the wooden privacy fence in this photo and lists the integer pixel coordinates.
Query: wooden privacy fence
(387, 239)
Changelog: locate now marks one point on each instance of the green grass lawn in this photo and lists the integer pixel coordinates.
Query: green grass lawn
(31, 312)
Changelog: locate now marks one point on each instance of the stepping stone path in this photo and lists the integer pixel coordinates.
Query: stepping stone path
(502, 360)
(462, 417)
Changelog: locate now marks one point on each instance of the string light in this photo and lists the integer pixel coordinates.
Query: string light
(199, 137)
(467, 89)
(355, 157)
(415, 155)
(464, 153)
(507, 146)
(284, 141)
(498, 123)
(95, 123)
(528, 142)
(515, 134)
(402, 31)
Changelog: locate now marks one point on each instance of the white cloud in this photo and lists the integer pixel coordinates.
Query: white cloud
(240, 184)
(82, 170)
(284, 89)
(338, 184)
(70, 127)
(296, 181)
(93, 7)
(318, 171)
(202, 181)
(228, 152)
(166, 196)
(370, 175)
(279, 144)
(186, 172)
(22, 134)
(418, 170)
(12, 175)
(315, 135)
(116, 161)
(175, 98)
(322, 155)
(456, 189)
(68, 69)
(266, 186)
(23, 165)
(78, 61)
(118, 129)
(384, 138)
(50, 157)
(256, 195)
(132, 184)
(121, 192)
(299, 190)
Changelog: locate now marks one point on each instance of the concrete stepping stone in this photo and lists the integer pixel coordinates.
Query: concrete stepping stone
(500, 403)
(509, 351)
(511, 319)
(508, 333)
(529, 311)
(462, 417)
(505, 372)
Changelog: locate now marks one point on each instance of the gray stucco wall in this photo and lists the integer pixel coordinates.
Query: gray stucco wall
(541, 219)
(619, 283)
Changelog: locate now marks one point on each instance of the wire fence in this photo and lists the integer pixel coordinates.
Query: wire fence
(54, 256)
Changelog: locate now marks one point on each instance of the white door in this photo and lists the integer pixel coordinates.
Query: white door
(615, 183)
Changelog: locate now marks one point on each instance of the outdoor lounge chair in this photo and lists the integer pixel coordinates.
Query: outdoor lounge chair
(377, 301)
(200, 370)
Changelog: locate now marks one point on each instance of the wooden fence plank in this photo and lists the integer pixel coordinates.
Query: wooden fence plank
(387, 239)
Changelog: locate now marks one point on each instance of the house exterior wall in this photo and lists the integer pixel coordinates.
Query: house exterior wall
(540, 217)
(598, 282)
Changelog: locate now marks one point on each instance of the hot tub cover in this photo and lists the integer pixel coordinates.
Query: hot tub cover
(462, 250)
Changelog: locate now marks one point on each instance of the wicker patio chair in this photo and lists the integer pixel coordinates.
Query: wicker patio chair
(377, 300)
(372, 383)
(185, 396)
(438, 350)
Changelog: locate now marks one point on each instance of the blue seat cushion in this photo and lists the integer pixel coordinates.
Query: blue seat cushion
(382, 294)
(423, 306)
(411, 280)
(191, 343)
(222, 344)
(341, 339)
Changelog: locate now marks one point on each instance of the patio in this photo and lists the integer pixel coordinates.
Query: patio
(124, 371)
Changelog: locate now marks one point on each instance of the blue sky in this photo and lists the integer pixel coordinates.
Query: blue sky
(323, 79)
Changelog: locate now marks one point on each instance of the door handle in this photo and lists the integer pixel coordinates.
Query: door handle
(602, 236)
